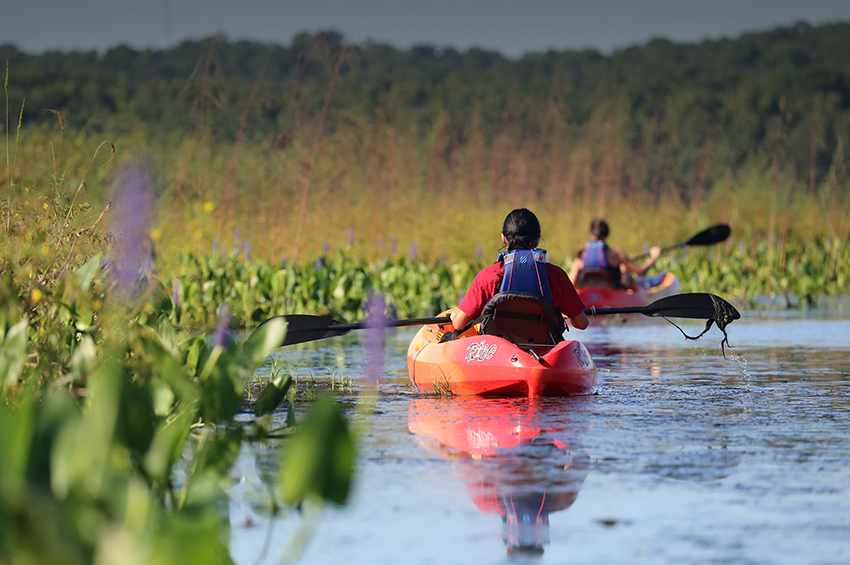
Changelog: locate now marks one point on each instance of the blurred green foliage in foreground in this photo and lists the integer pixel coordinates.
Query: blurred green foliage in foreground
(118, 434)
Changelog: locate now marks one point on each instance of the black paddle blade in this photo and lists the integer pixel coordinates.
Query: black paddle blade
(714, 234)
(301, 328)
(697, 305)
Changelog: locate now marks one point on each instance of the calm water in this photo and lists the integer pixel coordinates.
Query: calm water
(683, 456)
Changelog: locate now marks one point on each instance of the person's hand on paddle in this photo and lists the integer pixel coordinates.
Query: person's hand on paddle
(654, 253)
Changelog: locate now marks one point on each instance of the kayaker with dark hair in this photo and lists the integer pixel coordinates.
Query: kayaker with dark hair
(526, 266)
(607, 266)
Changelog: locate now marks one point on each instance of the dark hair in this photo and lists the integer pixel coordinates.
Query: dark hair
(599, 228)
(521, 229)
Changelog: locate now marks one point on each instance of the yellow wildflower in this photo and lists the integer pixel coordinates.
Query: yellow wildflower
(209, 207)
(45, 206)
(156, 234)
(36, 295)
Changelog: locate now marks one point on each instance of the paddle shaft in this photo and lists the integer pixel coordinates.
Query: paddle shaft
(645, 310)
(345, 328)
(302, 328)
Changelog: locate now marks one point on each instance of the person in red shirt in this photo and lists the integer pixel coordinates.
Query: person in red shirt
(520, 230)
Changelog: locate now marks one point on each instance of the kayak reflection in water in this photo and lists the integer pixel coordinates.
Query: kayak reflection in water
(518, 459)
(525, 508)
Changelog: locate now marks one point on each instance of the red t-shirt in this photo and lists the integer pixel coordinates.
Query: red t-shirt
(486, 285)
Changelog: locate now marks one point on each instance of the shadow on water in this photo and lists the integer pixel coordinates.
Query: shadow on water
(519, 458)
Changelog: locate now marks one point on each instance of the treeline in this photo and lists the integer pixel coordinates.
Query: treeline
(663, 118)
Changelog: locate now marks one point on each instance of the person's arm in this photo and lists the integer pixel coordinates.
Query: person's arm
(459, 319)
(639, 269)
(577, 265)
(580, 321)
(568, 300)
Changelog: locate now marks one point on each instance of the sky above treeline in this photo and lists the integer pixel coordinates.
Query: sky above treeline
(512, 28)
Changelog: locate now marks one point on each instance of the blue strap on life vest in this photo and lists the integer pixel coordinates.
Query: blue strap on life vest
(525, 271)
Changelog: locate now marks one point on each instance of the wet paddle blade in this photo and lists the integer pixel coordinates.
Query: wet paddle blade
(697, 305)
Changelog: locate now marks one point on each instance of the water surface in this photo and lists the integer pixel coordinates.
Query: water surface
(682, 456)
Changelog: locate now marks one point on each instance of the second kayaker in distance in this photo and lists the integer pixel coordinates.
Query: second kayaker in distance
(609, 266)
(521, 231)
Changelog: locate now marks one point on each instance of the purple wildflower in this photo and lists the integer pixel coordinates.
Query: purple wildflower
(318, 263)
(394, 246)
(215, 245)
(479, 252)
(134, 204)
(222, 329)
(414, 250)
(376, 325)
(380, 244)
(327, 247)
(175, 296)
(442, 258)
(350, 237)
(104, 262)
(247, 251)
(236, 234)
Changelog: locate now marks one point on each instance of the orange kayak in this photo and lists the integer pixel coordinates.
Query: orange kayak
(490, 365)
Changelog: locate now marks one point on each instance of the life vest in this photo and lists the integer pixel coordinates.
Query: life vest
(595, 255)
(525, 271)
(595, 258)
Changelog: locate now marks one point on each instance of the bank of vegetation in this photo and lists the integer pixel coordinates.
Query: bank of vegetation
(302, 144)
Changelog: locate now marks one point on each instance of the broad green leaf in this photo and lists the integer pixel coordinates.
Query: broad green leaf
(273, 395)
(264, 340)
(13, 353)
(84, 358)
(319, 460)
(16, 431)
(87, 271)
(166, 447)
(220, 451)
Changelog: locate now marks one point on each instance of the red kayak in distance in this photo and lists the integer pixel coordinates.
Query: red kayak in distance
(661, 286)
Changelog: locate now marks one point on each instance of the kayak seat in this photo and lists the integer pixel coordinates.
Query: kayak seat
(523, 318)
(598, 278)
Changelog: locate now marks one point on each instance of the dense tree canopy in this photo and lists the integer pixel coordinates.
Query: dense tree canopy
(783, 95)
